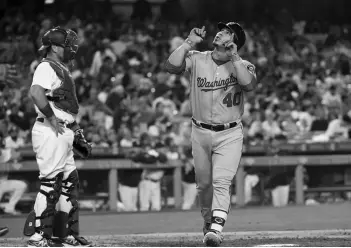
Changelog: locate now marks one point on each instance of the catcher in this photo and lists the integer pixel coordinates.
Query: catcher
(55, 138)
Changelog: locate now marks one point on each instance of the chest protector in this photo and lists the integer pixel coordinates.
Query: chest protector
(64, 97)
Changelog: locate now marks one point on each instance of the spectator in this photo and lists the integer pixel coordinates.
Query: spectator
(13, 141)
(321, 122)
(332, 100)
(337, 130)
(188, 179)
(150, 185)
(251, 180)
(255, 127)
(270, 126)
(304, 118)
(98, 141)
(15, 187)
(172, 149)
(128, 188)
(100, 55)
(127, 139)
(289, 128)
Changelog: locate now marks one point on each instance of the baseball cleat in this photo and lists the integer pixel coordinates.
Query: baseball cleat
(44, 242)
(72, 241)
(213, 238)
(3, 231)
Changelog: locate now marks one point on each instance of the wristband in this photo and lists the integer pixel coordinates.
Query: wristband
(189, 42)
(236, 58)
(47, 111)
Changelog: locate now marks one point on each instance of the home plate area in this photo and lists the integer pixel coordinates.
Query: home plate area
(314, 238)
(328, 238)
(251, 227)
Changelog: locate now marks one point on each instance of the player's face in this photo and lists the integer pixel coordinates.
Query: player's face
(222, 37)
(59, 51)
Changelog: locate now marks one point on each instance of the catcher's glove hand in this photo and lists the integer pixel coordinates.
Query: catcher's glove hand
(80, 146)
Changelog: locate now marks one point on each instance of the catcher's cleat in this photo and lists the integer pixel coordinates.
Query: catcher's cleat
(44, 242)
(71, 241)
(3, 231)
(206, 227)
(213, 238)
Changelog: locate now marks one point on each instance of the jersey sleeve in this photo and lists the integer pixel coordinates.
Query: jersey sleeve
(251, 69)
(44, 76)
(190, 60)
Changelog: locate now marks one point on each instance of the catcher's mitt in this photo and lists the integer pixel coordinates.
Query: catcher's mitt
(80, 146)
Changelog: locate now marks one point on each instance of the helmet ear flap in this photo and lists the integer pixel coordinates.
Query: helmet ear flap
(46, 40)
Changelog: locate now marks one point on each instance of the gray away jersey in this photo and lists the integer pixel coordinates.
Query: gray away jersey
(216, 96)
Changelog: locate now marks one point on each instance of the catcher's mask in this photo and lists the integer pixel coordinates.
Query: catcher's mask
(65, 38)
(237, 30)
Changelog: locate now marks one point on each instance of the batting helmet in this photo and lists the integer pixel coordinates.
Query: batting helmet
(65, 38)
(239, 33)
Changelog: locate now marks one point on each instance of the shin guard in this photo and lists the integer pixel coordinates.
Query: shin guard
(66, 219)
(46, 216)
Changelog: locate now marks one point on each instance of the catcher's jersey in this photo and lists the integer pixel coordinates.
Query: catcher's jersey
(47, 78)
(216, 96)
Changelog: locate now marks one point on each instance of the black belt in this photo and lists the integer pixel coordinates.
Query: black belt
(216, 128)
(70, 125)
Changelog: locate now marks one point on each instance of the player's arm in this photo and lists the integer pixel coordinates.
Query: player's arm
(245, 71)
(39, 98)
(246, 75)
(178, 61)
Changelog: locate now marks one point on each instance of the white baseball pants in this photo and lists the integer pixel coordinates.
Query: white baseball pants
(17, 188)
(150, 192)
(129, 197)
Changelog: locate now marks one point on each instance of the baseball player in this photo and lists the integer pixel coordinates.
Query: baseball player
(55, 136)
(218, 80)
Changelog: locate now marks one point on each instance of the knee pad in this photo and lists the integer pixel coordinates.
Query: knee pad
(47, 216)
(67, 223)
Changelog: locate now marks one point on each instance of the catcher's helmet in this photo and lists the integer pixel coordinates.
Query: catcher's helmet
(65, 38)
(239, 33)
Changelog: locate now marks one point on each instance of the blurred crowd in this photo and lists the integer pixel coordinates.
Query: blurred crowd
(303, 94)
(125, 94)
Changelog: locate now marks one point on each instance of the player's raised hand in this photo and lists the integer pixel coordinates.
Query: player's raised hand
(56, 126)
(231, 49)
(197, 35)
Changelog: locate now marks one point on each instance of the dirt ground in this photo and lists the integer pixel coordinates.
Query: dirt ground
(324, 225)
